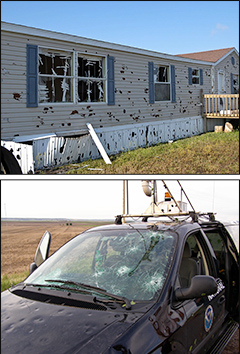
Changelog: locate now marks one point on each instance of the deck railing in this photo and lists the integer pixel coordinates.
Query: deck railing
(221, 106)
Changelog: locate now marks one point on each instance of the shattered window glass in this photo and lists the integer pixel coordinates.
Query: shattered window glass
(162, 83)
(162, 74)
(91, 79)
(133, 263)
(195, 76)
(235, 84)
(55, 82)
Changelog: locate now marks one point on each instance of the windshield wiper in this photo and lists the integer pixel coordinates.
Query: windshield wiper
(95, 288)
(53, 286)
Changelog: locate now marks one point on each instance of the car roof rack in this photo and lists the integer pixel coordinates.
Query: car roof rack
(169, 208)
(195, 216)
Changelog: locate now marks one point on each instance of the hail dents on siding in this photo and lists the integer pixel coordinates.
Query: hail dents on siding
(41, 121)
(74, 112)
(61, 150)
(17, 96)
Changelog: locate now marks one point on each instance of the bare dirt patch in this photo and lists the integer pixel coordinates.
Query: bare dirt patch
(19, 240)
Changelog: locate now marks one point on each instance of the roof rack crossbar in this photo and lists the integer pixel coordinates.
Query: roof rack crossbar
(193, 214)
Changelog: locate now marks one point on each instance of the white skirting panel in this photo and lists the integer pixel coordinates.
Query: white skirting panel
(23, 154)
(54, 151)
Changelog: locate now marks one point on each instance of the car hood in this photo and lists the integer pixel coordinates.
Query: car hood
(30, 326)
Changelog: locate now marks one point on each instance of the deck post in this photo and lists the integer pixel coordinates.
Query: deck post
(202, 111)
(221, 106)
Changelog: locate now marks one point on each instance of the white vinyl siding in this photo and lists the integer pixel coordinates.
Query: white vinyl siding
(227, 67)
(131, 90)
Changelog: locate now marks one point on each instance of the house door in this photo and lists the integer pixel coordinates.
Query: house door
(221, 83)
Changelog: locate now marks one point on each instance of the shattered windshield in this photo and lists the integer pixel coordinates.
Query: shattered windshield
(133, 263)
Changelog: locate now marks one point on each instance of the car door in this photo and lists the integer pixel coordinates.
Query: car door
(204, 315)
(227, 261)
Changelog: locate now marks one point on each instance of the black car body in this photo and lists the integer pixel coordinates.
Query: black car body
(168, 287)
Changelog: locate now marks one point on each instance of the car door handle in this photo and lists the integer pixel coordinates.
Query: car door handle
(221, 300)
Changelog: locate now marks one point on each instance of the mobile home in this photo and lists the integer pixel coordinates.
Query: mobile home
(55, 85)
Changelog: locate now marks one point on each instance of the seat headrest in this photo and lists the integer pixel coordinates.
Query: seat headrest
(187, 251)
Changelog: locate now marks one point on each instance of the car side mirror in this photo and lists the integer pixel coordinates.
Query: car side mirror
(201, 285)
(42, 251)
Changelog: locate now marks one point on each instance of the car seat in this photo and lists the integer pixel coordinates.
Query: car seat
(188, 268)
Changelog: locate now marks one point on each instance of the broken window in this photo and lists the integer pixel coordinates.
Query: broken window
(195, 76)
(91, 79)
(55, 82)
(162, 83)
(130, 263)
(235, 84)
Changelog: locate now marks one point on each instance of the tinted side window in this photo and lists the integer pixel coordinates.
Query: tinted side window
(194, 261)
(219, 249)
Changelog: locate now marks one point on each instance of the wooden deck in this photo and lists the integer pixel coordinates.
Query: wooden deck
(221, 106)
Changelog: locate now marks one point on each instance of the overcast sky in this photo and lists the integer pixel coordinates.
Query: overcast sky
(172, 27)
(103, 199)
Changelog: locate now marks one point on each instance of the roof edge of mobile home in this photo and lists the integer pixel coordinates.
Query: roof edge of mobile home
(16, 28)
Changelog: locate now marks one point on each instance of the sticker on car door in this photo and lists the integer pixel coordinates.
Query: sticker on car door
(208, 318)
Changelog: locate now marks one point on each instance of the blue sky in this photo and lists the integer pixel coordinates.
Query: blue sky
(172, 27)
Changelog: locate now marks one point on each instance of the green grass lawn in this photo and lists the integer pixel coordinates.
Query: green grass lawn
(210, 153)
(8, 280)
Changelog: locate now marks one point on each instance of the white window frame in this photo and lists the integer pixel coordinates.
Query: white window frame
(196, 76)
(103, 79)
(71, 77)
(162, 82)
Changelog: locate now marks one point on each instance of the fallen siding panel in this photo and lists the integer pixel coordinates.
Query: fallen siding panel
(98, 144)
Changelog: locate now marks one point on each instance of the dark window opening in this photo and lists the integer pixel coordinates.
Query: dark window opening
(195, 76)
(91, 79)
(55, 81)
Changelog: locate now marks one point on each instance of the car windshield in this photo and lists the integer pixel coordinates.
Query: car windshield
(132, 264)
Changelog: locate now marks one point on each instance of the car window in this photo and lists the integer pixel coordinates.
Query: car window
(220, 250)
(133, 263)
(233, 229)
(194, 261)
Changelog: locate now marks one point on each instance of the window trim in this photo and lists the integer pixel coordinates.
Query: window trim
(72, 77)
(160, 82)
(196, 76)
(104, 78)
(191, 76)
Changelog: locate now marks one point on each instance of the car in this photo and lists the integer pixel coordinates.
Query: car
(128, 287)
